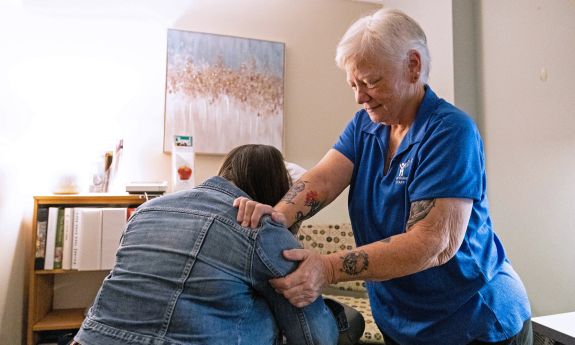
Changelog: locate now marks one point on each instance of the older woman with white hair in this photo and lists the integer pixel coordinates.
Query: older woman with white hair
(436, 271)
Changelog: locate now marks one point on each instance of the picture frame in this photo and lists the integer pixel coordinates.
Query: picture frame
(224, 91)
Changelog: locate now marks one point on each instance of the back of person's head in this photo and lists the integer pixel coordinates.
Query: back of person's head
(258, 170)
(387, 35)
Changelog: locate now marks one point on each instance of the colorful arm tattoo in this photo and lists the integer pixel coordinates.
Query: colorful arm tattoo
(311, 201)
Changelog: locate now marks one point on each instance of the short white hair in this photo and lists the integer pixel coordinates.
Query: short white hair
(387, 35)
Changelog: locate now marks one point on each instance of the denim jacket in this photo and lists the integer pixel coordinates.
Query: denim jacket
(187, 273)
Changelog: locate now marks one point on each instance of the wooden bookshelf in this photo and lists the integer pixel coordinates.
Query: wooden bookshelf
(41, 314)
(59, 319)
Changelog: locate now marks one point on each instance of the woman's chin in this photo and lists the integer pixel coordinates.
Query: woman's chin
(377, 118)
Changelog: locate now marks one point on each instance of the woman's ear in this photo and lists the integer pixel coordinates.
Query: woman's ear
(413, 65)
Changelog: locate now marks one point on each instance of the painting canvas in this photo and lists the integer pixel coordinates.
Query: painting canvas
(223, 91)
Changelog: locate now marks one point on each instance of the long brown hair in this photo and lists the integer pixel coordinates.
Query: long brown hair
(258, 170)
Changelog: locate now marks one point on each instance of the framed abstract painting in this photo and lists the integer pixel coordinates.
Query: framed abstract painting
(223, 91)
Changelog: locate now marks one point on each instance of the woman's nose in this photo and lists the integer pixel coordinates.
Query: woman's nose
(361, 96)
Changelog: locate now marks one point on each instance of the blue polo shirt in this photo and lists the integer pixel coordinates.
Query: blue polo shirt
(476, 294)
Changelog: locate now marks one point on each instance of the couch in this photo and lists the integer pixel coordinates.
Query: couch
(329, 238)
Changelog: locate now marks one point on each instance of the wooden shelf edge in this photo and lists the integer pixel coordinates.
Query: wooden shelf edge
(88, 199)
(59, 271)
(59, 319)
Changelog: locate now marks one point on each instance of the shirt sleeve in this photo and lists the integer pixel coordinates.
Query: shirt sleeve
(311, 325)
(449, 162)
(346, 142)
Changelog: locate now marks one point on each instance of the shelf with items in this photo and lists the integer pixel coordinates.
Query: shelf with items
(42, 314)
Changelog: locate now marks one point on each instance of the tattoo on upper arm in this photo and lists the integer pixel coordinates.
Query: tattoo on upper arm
(386, 240)
(355, 262)
(419, 210)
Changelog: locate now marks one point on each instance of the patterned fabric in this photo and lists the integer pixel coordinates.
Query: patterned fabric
(328, 239)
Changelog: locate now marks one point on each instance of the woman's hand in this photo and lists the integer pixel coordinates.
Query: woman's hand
(306, 283)
(250, 213)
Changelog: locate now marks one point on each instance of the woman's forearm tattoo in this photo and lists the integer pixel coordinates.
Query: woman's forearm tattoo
(354, 262)
(419, 210)
(297, 188)
(311, 200)
(314, 204)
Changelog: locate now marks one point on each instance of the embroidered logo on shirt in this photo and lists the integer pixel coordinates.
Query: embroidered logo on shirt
(402, 167)
(401, 177)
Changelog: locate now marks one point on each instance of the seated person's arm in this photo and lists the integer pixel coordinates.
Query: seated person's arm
(314, 324)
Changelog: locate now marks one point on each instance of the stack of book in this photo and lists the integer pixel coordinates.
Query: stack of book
(78, 238)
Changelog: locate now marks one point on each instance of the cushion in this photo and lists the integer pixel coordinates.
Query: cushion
(328, 239)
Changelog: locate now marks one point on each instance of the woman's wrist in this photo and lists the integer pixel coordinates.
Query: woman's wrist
(329, 268)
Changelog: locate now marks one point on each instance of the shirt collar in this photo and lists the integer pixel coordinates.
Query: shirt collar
(424, 112)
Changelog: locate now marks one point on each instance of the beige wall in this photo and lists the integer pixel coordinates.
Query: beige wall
(76, 76)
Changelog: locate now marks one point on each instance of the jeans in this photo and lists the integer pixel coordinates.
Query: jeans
(187, 273)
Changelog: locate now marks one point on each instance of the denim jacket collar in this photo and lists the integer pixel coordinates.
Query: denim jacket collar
(223, 185)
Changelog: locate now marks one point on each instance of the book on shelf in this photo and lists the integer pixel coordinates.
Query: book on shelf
(89, 239)
(41, 227)
(113, 222)
(51, 237)
(130, 212)
(68, 233)
(79, 238)
(75, 229)
(59, 242)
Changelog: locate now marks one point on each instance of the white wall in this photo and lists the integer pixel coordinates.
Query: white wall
(73, 78)
(529, 130)
(76, 76)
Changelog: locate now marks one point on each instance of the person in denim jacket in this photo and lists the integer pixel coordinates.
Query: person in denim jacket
(187, 273)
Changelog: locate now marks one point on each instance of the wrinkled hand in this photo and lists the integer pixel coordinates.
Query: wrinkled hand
(250, 213)
(305, 284)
